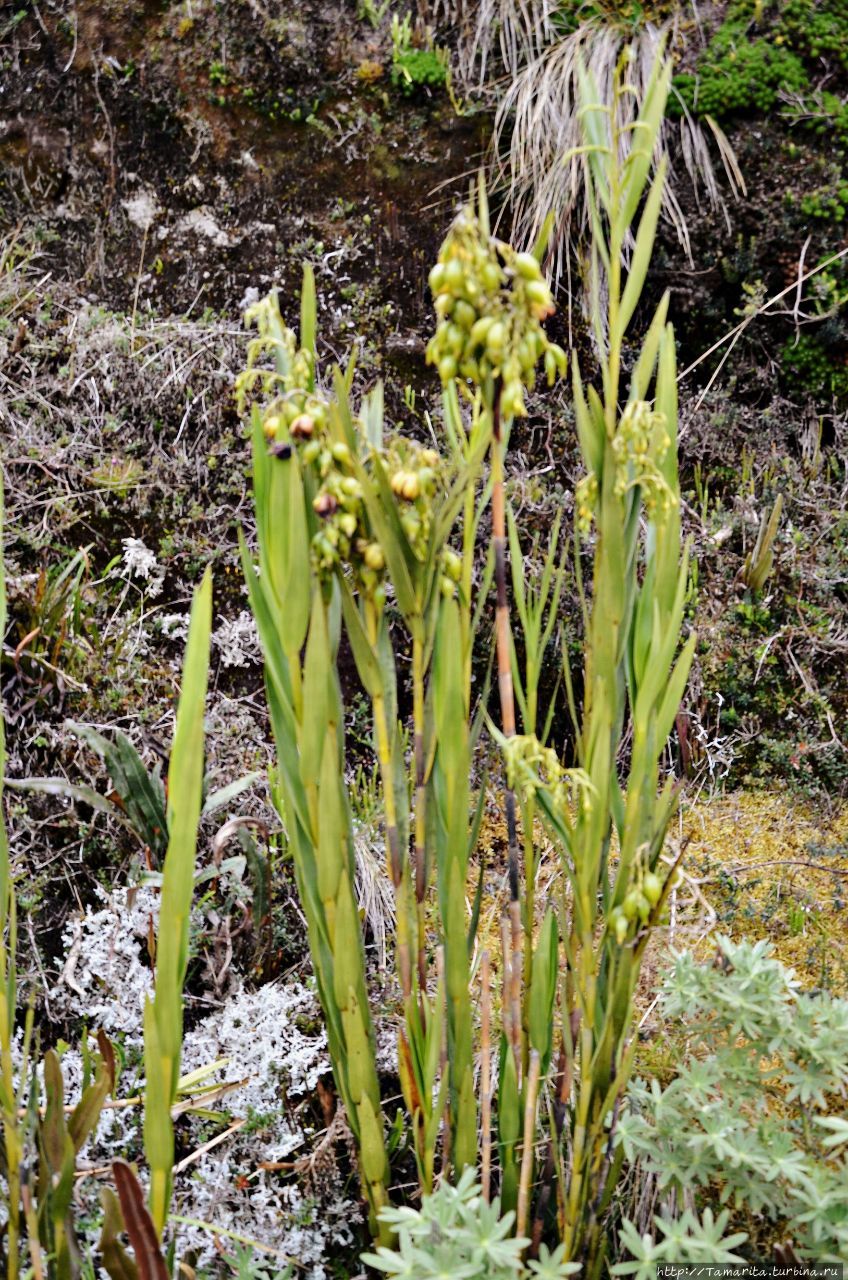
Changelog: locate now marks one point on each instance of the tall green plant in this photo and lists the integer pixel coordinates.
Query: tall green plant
(491, 302)
(611, 832)
(297, 606)
(351, 516)
(163, 1013)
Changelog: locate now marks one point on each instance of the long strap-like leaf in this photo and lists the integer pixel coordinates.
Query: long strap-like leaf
(164, 1016)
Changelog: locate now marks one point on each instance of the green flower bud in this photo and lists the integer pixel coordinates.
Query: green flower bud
(480, 330)
(436, 278)
(374, 557)
(526, 354)
(454, 340)
(447, 368)
(464, 314)
(630, 906)
(540, 298)
(452, 564)
(512, 400)
(491, 277)
(411, 487)
(652, 888)
(527, 265)
(317, 412)
(495, 340)
(454, 275)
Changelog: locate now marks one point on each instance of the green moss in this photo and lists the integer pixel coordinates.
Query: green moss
(415, 69)
(827, 204)
(738, 74)
(819, 29)
(807, 366)
(758, 52)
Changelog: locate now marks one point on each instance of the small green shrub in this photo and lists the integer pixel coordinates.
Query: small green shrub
(750, 1110)
(456, 1233)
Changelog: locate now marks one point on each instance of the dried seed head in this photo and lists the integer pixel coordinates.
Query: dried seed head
(302, 427)
(324, 504)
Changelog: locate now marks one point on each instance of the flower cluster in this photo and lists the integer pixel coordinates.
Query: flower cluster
(491, 302)
(585, 501)
(643, 894)
(340, 507)
(297, 406)
(640, 445)
(531, 767)
(414, 474)
(299, 417)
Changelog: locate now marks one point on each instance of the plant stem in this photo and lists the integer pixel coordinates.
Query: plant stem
(531, 1090)
(485, 1076)
(420, 804)
(560, 1102)
(507, 704)
(394, 860)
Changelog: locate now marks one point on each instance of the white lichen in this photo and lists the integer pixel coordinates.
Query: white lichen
(275, 1046)
(140, 562)
(237, 640)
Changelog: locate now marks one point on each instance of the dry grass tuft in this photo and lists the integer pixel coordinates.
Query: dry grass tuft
(537, 129)
(537, 132)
